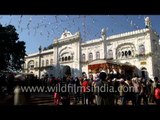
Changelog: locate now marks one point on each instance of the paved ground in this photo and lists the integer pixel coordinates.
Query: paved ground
(45, 99)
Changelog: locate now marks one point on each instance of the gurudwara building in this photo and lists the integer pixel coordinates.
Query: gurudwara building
(138, 50)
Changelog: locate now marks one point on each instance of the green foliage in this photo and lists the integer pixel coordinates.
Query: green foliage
(49, 47)
(12, 51)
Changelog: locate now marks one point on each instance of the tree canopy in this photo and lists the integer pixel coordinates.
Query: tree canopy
(12, 51)
(48, 47)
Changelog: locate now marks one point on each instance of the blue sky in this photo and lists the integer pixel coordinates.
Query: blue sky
(38, 30)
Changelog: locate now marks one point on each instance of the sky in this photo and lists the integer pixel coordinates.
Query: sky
(36, 30)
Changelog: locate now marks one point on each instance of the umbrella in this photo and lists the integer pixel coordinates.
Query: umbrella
(20, 77)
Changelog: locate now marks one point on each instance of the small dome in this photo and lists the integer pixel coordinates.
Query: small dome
(66, 34)
(103, 31)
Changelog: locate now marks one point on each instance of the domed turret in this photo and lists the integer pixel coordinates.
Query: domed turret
(147, 22)
(103, 33)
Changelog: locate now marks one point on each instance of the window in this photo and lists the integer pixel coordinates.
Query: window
(31, 65)
(110, 54)
(62, 59)
(90, 56)
(36, 64)
(129, 53)
(83, 57)
(65, 58)
(69, 58)
(51, 62)
(42, 63)
(126, 53)
(97, 55)
(141, 49)
(47, 62)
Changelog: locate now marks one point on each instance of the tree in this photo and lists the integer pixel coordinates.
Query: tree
(48, 47)
(12, 51)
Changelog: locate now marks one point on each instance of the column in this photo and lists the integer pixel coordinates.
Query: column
(39, 74)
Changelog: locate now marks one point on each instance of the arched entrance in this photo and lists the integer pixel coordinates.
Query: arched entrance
(144, 73)
(67, 70)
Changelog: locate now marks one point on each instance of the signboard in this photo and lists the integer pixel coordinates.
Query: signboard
(143, 63)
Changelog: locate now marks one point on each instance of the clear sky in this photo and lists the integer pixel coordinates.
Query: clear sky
(38, 30)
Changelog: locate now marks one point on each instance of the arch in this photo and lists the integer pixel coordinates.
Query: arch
(122, 48)
(47, 62)
(31, 64)
(66, 52)
(125, 44)
(83, 57)
(129, 53)
(110, 53)
(126, 53)
(65, 49)
(51, 61)
(62, 59)
(141, 49)
(36, 64)
(123, 53)
(90, 56)
(97, 55)
(42, 63)
(66, 58)
(144, 72)
(66, 70)
(69, 58)
(143, 68)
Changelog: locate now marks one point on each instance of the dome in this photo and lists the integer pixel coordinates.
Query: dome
(66, 34)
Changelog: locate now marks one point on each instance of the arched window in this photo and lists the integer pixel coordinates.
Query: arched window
(47, 62)
(83, 57)
(97, 55)
(141, 49)
(126, 53)
(143, 72)
(51, 61)
(65, 58)
(122, 53)
(31, 64)
(90, 57)
(69, 58)
(36, 64)
(42, 63)
(110, 54)
(129, 53)
(62, 59)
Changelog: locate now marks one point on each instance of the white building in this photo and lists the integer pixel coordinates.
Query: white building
(139, 48)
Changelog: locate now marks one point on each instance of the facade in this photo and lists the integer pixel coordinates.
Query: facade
(138, 48)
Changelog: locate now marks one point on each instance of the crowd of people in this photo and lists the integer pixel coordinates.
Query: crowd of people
(116, 90)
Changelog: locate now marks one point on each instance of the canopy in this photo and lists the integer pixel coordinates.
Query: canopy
(97, 62)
